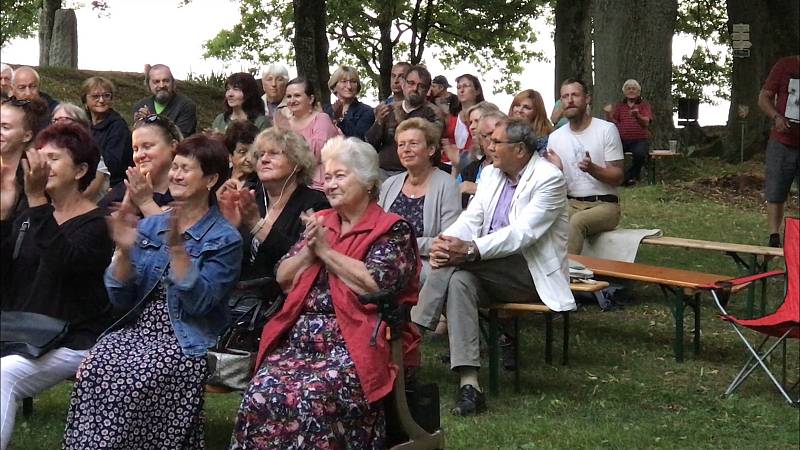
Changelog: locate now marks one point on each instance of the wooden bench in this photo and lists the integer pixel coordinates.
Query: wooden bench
(760, 257)
(683, 287)
(518, 309)
(655, 155)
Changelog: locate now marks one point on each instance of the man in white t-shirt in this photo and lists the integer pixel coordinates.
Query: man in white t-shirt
(589, 152)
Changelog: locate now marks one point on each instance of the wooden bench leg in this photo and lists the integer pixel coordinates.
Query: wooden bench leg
(548, 338)
(494, 356)
(565, 350)
(678, 310)
(27, 407)
(517, 355)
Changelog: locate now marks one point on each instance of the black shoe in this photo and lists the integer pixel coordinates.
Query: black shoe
(470, 401)
(775, 240)
(508, 352)
(629, 183)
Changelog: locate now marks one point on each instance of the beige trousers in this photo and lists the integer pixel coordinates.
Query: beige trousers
(587, 219)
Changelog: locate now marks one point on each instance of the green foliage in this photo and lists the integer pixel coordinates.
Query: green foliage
(18, 19)
(706, 21)
(703, 68)
(492, 34)
(212, 80)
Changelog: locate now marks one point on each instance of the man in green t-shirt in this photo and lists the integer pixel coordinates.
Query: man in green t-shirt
(165, 101)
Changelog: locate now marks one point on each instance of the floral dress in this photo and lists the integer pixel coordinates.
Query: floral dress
(410, 209)
(137, 390)
(306, 393)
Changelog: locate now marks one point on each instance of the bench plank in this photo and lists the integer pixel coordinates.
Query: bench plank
(649, 274)
(712, 245)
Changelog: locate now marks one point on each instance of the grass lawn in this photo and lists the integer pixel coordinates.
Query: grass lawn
(622, 389)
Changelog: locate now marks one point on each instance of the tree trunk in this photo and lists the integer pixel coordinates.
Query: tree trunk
(311, 46)
(573, 42)
(46, 20)
(386, 14)
(64, 40)
(774, 34)
(633, 39)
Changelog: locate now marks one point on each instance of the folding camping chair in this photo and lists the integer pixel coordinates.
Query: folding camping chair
(783, 324)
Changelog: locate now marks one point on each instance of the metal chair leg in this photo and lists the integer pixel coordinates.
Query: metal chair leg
(27, 407)
(548, 338)
(494, 357)
(565, 351)
(517, 355)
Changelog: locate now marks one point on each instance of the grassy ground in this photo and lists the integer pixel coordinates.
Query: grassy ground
(622, 389)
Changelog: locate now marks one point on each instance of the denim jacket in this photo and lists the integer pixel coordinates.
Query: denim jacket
(197, 308)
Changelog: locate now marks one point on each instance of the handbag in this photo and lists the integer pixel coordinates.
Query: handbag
(25, 333)
(30, 334)
(232, 360)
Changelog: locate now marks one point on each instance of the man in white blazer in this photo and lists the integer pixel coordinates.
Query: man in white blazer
(509, 245)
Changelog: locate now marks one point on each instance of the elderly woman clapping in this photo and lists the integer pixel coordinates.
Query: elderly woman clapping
(318, 380)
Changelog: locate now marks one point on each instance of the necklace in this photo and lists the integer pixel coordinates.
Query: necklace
(418, 187)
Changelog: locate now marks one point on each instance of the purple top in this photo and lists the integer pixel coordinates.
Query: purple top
(500, 217)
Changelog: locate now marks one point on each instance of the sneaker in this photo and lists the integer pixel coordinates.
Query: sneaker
(775, 240)
(470, 401)
(508, 352)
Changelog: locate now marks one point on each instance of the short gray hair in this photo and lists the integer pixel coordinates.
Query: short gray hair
(631, 82)
(483, 107)
(4, 67)
(276, 70)
(22, 69)
(75, 112)
(295, 148)
(359, 156)
(520, 130)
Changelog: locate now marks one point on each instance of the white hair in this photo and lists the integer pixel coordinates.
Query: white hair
(21, 69)
(359, 156)
(276, 70)
(4, 67)
(633, 83)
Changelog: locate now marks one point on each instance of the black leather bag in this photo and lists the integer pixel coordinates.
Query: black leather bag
(30, 334)
(251, 305)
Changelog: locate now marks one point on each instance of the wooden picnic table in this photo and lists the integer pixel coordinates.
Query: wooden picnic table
(684, 286)
(736, 252)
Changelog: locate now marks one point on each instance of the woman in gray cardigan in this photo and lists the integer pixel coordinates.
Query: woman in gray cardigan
(425, 196)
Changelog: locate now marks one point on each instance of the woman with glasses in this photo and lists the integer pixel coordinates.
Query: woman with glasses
(268, 217)
(352, 117)
(459, 139)
(53, 256)
(154, 141)
(70, 113)
(109, 129)
(316, 127)
(242, 102)
(142, 385)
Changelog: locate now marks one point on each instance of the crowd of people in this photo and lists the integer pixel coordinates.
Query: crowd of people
(136, 237)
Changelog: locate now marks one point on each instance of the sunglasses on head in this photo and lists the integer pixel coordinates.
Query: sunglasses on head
(16, 102)
(155, 119)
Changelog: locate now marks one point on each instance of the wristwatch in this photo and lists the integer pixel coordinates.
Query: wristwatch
(472, 252)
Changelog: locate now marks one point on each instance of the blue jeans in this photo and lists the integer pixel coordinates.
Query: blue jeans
(640, 148)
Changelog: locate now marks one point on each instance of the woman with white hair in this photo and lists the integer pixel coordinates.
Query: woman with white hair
(350, 116)
(633, 117)
(274, 78)
(69, 112)
(318, 380)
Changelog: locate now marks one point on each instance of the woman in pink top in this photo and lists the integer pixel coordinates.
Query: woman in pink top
(632, 116)
(306, 120)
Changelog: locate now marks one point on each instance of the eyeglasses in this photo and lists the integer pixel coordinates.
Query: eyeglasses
(16, 101)
(105, 96)
(347, 81)
(494, 142)
(56, 120)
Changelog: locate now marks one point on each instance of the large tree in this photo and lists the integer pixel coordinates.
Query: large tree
(492, 34)
(573, 41)
(311, 45)
(774, 33)
(633, 39)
